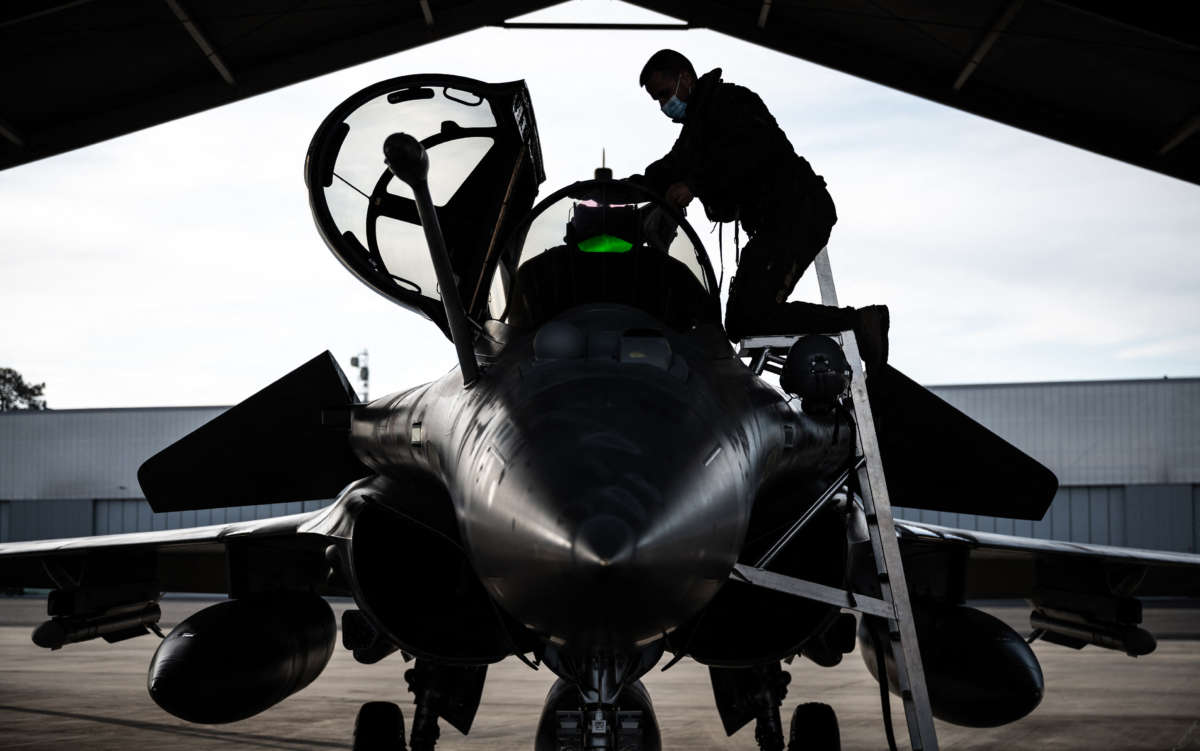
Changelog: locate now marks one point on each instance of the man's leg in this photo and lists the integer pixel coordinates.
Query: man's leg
(870, 324)
(771, 264)
(766, 275)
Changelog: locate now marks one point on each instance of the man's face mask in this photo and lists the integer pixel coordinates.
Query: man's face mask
(673, 107)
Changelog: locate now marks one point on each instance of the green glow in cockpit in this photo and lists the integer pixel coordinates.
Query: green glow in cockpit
(604, 244)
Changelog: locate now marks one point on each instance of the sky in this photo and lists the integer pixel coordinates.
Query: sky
(180, 265)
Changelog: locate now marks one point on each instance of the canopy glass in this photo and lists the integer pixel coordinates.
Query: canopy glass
(603, 241)
(484, 167)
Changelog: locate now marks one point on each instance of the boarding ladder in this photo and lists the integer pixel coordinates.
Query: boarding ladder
(866, 478)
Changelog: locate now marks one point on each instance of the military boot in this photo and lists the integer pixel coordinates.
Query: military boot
(871, 330)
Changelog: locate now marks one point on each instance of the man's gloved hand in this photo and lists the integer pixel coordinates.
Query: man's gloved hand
(679, 194)
(658, 227)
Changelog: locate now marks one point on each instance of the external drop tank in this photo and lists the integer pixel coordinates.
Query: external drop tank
(979, 672)
(237, 658)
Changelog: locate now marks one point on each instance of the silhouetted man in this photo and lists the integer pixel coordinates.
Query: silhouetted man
(733, 156)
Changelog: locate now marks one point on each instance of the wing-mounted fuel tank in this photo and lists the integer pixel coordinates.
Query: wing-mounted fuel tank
(979, 671)
(237, 658)
(485, 166)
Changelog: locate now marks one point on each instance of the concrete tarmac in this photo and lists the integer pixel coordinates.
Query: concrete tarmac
(93, 696)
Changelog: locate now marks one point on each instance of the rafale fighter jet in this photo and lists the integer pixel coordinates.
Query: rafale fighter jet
(581, 491)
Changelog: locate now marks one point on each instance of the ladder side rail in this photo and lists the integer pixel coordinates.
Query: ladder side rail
(890, 568)
(886, 550)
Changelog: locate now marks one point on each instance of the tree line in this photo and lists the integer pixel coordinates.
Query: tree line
(15, 393)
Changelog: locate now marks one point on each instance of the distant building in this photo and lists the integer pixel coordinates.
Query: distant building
(1127, 454)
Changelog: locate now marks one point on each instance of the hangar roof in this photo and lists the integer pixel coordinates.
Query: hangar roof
(1120, 79)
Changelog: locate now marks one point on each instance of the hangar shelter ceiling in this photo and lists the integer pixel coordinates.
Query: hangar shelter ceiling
(1117, 78)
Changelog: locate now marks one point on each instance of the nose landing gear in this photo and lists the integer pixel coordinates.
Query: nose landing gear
(626, 724)
(599, 703)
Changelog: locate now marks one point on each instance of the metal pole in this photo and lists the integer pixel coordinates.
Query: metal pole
(407, 160)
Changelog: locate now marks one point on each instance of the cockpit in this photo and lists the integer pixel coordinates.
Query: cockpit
(602, 241)
(596, 241)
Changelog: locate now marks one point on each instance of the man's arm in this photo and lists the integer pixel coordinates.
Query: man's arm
(662, 174)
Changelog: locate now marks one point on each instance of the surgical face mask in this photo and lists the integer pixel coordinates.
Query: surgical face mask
(674, 108)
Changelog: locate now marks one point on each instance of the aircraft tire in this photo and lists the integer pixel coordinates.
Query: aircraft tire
(379, 727)
(814, 728)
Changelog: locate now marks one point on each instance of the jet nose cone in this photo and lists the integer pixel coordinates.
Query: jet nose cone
(603, 540)
(611, 512)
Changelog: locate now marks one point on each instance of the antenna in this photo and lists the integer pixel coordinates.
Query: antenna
(603, 172)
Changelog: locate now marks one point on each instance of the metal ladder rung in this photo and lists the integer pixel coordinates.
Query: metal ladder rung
(761, 577)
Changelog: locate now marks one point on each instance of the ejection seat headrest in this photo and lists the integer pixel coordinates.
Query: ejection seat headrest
(589, 220)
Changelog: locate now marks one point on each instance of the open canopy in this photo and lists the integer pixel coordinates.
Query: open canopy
(597, 241)
(485, 166)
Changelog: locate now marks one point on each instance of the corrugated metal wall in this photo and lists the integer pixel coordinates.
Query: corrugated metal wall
(124, 515)
(87, 453)
(1127, 454)
(1096, 433)
(1161, 517)
(1088, 514)
(1196, 518)
(48, 519)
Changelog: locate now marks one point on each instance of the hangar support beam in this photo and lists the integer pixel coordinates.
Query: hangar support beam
(762, 14)
(43, 12)
(12, 134)
(989, 39)
(201, 41)
(1188, 130)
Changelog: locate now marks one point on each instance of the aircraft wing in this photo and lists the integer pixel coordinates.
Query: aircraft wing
(177, 560)
(1004, 565)
(1079, 594)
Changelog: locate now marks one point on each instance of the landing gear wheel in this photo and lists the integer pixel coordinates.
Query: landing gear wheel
(814, 728)
(379, 727)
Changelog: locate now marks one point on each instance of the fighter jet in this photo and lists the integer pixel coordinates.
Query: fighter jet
(601, 486)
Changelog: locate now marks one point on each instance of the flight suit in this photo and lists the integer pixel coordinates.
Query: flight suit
(734, 157)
